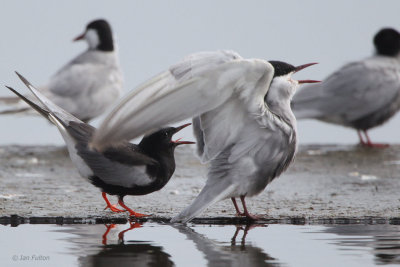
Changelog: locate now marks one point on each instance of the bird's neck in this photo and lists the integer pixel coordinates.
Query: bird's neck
(282, 109)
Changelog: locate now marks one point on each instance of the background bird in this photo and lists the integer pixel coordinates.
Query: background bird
(361, 95)
(126, 169)
(89, 84)
(242, 120)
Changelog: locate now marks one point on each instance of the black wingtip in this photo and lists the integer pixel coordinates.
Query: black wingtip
(39, 109)
(23, 79)
(10, 88)
(15, 91)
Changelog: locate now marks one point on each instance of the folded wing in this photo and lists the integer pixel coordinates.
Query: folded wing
(356, 90)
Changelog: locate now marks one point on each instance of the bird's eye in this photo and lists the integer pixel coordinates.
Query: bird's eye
(166, 133)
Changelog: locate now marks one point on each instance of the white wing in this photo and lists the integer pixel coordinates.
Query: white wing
(200, 83)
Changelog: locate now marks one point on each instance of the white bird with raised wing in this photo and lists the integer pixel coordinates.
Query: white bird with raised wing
(242, 120)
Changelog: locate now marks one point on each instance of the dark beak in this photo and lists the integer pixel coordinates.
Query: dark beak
(80, 37)
(178, 141)
(299, 68)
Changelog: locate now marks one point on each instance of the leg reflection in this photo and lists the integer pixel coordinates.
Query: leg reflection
(245, 229)
(132, 225)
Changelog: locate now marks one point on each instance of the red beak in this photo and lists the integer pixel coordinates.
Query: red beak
(299, 68)
(178, 142)
(308, 81)
(79, 37)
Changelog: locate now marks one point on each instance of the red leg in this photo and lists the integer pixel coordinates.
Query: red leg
(362, 142)
(131, 212)
(109, 227)
(132, 226)
(238, 213)
(109, 205)
(246, 212)
(370, 144)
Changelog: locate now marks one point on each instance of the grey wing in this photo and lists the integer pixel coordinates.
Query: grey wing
(123, 165)
(354, 91)
(74, 79)
(85, 89)
(113, 172)
(186, 90)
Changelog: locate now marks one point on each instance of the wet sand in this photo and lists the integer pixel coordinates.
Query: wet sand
(329, 184)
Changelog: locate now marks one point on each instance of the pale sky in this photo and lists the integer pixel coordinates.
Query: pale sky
(36, 41)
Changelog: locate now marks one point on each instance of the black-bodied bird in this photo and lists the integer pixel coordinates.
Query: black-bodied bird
(123, 169)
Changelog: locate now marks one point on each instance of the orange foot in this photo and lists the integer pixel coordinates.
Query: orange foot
(131, 212)
(377, 145)
(109, 206)
(113, 208)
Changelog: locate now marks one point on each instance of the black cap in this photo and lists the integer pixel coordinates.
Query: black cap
(103, 29)
(281, 68)
(387, 42)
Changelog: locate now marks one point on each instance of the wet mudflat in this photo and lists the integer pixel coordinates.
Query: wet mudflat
(151, 244)
(335, 206)
(325, 183)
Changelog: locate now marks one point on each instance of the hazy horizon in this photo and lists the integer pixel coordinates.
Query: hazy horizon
(37, 41)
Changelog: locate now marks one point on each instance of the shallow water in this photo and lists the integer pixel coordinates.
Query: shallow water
(151, 244)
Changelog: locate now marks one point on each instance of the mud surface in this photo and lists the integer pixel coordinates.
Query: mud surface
(325, 183)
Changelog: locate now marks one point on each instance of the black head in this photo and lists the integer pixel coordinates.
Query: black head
(387, 42)
(283, 68)
(162, 140)
(99, 35)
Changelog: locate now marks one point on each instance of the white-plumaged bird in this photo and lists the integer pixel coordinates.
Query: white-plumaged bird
(90, 83)
(127, 169)
(242, 120)
(361, 95)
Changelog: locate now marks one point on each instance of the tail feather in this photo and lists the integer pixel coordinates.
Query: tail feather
(208, 196)
(57, 111)
(13, 105)
(54, 114)
(42, 110)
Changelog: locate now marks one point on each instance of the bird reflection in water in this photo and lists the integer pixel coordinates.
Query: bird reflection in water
(129, 253)
(133, 224)
(221, 254)
(247, 228)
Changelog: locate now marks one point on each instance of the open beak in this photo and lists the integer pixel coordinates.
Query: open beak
(299, 68)
(178, 141)
(79, 37)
